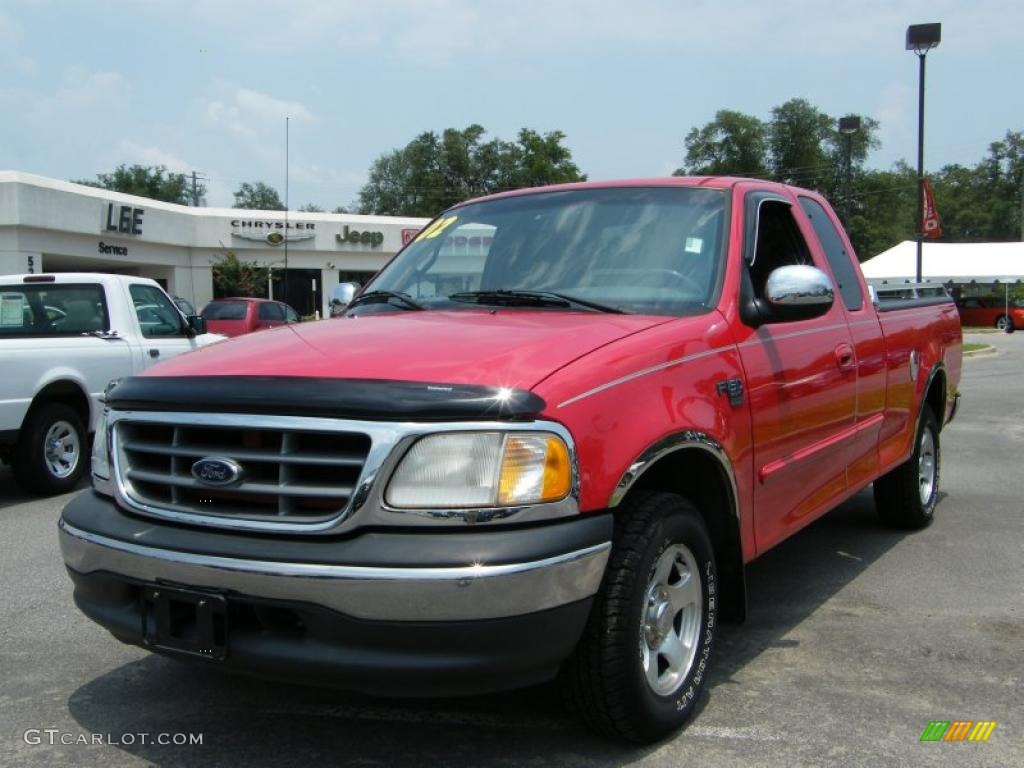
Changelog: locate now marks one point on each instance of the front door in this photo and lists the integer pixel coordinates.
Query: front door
(161, 325)
(801, 380)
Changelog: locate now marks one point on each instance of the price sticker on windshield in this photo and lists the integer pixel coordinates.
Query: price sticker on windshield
(436, 228)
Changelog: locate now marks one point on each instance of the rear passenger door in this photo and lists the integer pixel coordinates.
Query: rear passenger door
(866, 334)
(801, 382)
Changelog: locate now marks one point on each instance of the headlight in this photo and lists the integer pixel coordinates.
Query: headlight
(481, 469)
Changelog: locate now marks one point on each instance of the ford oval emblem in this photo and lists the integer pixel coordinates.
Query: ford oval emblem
(215, 470)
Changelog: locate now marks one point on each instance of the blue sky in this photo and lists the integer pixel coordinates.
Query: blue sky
(206, 85)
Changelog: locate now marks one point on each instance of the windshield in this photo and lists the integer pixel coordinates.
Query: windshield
(648, 250)
(224, 310)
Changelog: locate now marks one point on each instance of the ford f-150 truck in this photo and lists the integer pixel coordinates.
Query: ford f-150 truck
(542, 442)
(63, 337)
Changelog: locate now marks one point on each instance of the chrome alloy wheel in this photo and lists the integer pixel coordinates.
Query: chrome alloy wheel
(61, 449)
(671, 620)
(926, 466)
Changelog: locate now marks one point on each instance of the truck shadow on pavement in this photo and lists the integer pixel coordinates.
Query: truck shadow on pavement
(245, 721)
(11, 493)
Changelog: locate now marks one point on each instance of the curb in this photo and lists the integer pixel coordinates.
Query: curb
(985, 351)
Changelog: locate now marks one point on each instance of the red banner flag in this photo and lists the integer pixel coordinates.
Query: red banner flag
(930, 224)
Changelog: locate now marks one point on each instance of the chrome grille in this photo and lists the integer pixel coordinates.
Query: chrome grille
(288, 474)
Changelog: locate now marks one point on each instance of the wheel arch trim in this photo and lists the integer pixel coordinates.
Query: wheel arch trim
(938, 371)
(679, 441)
(731, 567)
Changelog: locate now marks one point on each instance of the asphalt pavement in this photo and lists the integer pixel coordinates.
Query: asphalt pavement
(857, 637)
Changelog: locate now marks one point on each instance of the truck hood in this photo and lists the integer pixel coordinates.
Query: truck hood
(507, 348)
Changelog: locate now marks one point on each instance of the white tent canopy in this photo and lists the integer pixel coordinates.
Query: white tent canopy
(948, 262)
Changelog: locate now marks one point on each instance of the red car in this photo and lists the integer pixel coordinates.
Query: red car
(237, 316)
(548, 455)
(991, 312)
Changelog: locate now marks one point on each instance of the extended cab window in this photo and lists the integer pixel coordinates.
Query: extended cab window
(157, 315)
(652, 250)
(838, 258)
(52, 310)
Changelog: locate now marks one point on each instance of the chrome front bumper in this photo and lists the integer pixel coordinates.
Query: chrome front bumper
(471, 592)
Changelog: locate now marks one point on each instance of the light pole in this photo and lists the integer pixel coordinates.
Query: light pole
(921, 38)
(848, 126)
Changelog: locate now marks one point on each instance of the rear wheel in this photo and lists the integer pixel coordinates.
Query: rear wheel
(643, 660)
(906, 496)
(50, 457)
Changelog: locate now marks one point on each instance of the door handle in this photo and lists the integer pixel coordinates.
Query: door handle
(844, 357)
(154, 353)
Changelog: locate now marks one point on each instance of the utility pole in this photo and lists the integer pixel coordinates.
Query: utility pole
(196, 178)
(285, 284)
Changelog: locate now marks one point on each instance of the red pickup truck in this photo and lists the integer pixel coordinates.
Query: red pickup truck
(543, 441)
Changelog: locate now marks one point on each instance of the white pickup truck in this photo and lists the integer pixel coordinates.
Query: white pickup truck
(63, 338)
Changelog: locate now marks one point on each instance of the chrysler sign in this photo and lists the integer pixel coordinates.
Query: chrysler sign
(273, 232)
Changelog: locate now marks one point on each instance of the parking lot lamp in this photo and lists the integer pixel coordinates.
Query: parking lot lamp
(921, 38)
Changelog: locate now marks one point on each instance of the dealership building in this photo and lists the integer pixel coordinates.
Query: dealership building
(48, 225)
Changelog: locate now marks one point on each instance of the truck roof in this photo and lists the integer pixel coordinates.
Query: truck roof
(710, 182)
(104, 278)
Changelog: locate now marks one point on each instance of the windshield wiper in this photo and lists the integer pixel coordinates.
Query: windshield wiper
(532, 298)
(405, 301)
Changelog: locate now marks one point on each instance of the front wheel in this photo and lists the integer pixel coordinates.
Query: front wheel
(643, 659)
(50, 456)
(906, 496)
(1005, 323)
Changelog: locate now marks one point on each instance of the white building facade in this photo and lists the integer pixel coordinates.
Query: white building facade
(48, 225)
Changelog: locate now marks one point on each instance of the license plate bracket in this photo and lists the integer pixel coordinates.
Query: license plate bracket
(186, 621)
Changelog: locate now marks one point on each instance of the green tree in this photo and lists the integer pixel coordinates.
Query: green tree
(154, 182)
(983, 203)
(311, 208)
(882, 209)
(433, 172)
(258, 197)
(233, 277)
(799, 136)
(731, 144)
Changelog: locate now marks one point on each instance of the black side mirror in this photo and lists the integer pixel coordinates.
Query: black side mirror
(197, 324)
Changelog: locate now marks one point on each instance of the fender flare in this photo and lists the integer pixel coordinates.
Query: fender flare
(729, 543)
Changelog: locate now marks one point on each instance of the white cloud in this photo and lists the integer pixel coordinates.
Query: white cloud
(265, 107)
(129, 152)
(80, 93)
(10, 30)
(433, 30)
(11, 34)
(249, 114)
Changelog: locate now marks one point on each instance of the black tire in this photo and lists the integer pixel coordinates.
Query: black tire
(1005, 323)
(605, 679)
(31, 467)
(901, 497)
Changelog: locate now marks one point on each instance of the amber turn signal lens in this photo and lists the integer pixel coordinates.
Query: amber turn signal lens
(557, 471)
(534, 468)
